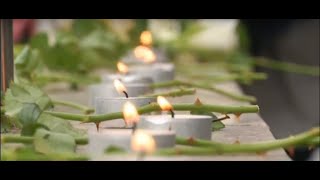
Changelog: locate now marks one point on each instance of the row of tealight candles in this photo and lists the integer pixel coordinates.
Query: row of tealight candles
(123, 92)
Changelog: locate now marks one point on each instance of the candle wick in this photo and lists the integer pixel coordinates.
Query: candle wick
(126, 94)
(223, 118)
(134, 127)
(172, 113)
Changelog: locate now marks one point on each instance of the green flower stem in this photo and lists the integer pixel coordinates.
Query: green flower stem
(174, 93)
(61, 77)
(13, 155)
(155, 107)
(216, 78)
(314, 142)
(206, 87)
(287, 67)
(202, 147)
(85, 109)
(16, 139)
(29, 139)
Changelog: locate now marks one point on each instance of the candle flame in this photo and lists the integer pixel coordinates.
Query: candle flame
(143, 142)
(146, 38)
(119, 86)
(122, 67)
(145, 54)
(130, 113)
(164, 103)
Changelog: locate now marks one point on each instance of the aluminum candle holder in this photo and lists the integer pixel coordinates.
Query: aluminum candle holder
(196, 126)
(130, 58)
(105, 105)
(100, 141)
(108, 90)
(127, 79)
(158, 72)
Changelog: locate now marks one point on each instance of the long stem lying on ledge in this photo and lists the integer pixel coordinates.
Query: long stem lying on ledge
(28, 140)
(201, 147)
(206, 87)
(85, 109)
(287, 67)
(155, 107)
(174, 93)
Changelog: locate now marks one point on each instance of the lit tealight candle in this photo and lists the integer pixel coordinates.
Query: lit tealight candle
(130, 114)
(143, 143)
(165, 105)
(100, 140)
(150, 62)
(125, 76)
(122, 68)
(146, 38)
(120, 87)
(136, 56)
(117, 89)
(195, 126)
(157, 71)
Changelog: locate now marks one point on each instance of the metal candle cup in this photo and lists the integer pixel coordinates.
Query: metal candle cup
(104, 105)
(127, 79)
(108, 90)
(160, 54)
(195, 126)
(100, 141)
(158, 72)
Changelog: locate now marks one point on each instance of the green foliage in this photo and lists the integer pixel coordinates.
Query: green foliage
(60, 126)
(83, 27)
(47, 142)
(217, 125)
(28, 117)
(26, 103)
(18, 94)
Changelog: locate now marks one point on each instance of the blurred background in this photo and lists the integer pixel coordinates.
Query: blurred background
(289, 102)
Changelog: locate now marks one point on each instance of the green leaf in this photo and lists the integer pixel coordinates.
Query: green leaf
(66, 38)
(39, 41)
(18, 94)
(28, 117)
(22, 59)
(47, 142)
(8, 123)
(29, 129)
(58, 125)
(83, 27)
(19, 91)
(99, 40)
(27, 61)
(114, 150)
(29, 114)
(217, 125)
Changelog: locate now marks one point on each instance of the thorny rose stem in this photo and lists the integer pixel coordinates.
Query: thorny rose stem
(155, 107)
(202, 147)
(206, 87)
(85, 109)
